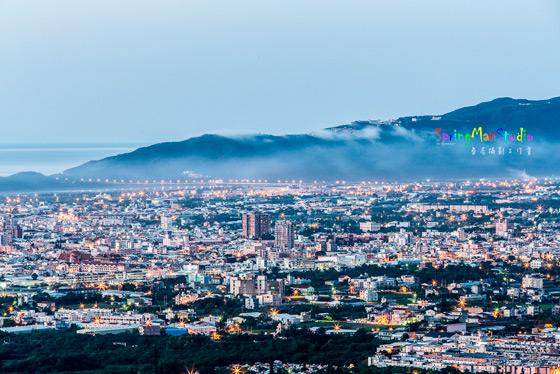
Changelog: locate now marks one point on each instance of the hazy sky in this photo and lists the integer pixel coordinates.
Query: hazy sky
(151, 71)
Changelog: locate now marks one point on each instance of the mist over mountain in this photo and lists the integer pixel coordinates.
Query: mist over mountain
(406, 148)
(402, 149)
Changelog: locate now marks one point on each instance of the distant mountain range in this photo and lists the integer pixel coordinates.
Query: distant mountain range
(406, 148)
(27, 181)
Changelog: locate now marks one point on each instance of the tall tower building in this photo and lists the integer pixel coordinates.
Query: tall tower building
(502, 227)
(284, 234)
(166, 222)
(13, 228)
(461, 234)
(256, 224)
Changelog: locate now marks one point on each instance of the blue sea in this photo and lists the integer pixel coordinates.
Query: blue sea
(55, 158)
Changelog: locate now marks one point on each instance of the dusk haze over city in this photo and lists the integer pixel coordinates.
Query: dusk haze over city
(296, 187)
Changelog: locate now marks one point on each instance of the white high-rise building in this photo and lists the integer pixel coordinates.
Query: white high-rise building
(503, 227)
(166, 222)
(284, 234)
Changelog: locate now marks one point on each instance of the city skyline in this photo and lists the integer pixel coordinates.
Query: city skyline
(296, 187)
(422, 277)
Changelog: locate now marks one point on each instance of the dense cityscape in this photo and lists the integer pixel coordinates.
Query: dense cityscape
(294, 187)
(368, 277)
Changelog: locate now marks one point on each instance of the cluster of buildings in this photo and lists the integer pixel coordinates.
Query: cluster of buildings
(262, 245)
(534, 353)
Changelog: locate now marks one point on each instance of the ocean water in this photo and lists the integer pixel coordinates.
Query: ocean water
(54, 158)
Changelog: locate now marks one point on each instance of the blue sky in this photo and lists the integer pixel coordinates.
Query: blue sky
(150, 71)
